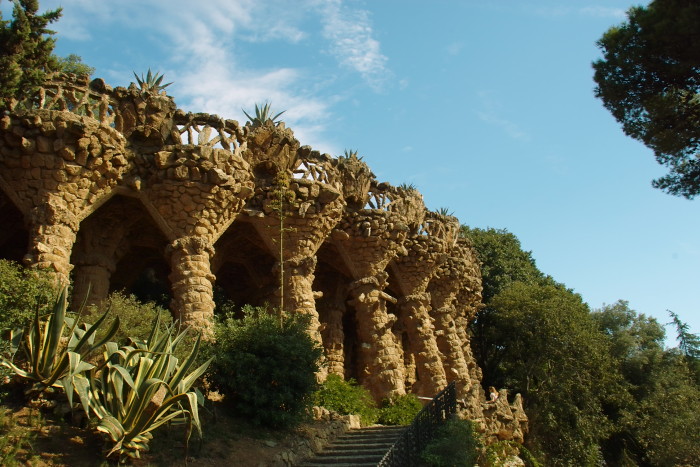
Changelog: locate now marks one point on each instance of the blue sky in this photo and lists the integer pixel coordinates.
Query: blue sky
(487, 107)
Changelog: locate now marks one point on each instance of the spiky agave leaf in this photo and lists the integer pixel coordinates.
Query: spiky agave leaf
(151, 82)
(263, 114)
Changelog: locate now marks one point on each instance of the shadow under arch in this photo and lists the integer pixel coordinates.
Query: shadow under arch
(337, 316)
(120, 248)
(243, 268)
(14, 235)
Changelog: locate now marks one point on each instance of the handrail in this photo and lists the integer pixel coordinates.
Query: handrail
(407, 449)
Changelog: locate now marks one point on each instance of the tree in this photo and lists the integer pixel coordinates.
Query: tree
(654, 421)
(74, 64)
(26, 47)
(503, 263)
(554, 355)
(649, 79)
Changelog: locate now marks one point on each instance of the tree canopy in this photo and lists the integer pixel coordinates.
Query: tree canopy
(26, 50)
(649, 79)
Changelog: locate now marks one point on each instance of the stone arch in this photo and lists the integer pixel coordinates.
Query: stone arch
(14, 235)
(120, 248)
(243, 267)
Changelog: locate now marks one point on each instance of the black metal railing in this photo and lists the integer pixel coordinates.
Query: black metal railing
(407, 449)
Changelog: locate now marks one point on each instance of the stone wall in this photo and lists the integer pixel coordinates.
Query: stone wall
(119, 189)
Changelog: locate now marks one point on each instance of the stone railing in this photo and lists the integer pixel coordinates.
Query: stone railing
(202, 129)
(69, 93)
(380, 199)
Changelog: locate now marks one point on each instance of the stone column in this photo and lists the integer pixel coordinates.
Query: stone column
(299, 296)
(379, 365)
(91, 279)
(191, 281)
(430, 373)
(450, 347)
(333, 339)
(52, 236)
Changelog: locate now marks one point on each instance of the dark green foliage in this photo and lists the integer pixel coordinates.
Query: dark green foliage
(503, 262)
(400, 410)
(74, 64)
(265, 366)
(496, 453)
(556, 357)
(136, 317)
(656, 413)
(26, 48)
(455, 444)
(648, 79)
(22, 292)
(347, 398)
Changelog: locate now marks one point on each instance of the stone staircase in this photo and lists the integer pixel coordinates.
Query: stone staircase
(362, 447)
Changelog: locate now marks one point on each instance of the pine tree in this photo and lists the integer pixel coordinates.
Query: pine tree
(26, 47)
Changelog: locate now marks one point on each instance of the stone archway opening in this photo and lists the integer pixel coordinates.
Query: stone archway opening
(337, 316)
(14, 236)
(243, 269)
(120, 248)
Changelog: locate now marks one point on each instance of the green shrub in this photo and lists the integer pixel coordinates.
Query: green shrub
(265, 366)
(498, 453)
(400, 410)
(346, 398)
(136, 317)
(456, 444)
(22, 292)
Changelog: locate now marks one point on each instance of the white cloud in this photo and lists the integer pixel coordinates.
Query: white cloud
(490, 114)
(202, 46)
(352, 42)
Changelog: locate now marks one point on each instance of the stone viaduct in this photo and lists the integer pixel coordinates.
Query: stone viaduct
(111, 186)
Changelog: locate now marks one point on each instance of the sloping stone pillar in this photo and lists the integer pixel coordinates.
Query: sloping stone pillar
(443, 289)
(380, 367)
(426, 250)
(52, 235)
(191, 280)
(369, 239)
(430, 373)
(294, 210)
(195, 194)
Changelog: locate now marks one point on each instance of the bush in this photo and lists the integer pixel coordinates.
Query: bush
(22, 292)
(456, 443)
(347, 398)
(136, 318)
(400, 410)
(266, 366)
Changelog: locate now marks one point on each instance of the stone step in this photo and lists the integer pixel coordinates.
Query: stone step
(361, 447)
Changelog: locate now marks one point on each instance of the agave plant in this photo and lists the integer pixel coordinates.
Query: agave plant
(49, 359)
(263, 114)
(445, 212)
(408, 186)
(352, 154)
(151, 82)
(140, 388)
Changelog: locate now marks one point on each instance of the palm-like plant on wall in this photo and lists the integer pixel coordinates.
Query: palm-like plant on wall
(263, 114)
(151, 82)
